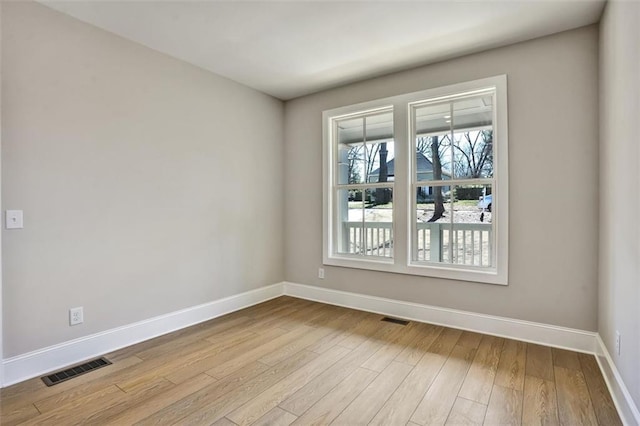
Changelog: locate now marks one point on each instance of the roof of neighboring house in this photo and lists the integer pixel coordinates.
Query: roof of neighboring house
(422, 164)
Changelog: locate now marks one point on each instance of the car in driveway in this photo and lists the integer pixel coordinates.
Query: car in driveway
(484, 202)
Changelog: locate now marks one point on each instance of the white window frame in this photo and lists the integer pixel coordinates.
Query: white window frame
(403, 227)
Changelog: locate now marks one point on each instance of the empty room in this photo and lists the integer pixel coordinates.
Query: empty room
(320, 212)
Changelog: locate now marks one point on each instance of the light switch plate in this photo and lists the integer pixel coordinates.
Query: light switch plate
(14, 219)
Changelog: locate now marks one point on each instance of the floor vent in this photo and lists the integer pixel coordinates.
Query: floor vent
(395, 320)
(70, 373)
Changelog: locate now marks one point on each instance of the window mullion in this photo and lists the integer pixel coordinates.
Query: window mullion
(451, 188)
(401, 182)
(367, 161)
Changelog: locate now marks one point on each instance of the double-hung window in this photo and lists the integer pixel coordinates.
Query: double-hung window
(418, 184)
(363, 188)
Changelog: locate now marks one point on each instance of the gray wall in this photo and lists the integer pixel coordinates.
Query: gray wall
(148, 185)
(146, 189)
(619, 295)
(553, 162)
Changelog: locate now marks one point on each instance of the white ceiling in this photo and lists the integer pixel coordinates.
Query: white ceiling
(292, 48)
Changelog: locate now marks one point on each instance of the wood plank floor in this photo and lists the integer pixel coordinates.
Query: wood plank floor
(291, 361)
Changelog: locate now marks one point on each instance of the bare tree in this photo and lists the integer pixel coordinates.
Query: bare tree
(423, 146)
(474, 154)
(354, 156)
(372, 151)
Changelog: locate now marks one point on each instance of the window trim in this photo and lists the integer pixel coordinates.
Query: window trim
(402, 261)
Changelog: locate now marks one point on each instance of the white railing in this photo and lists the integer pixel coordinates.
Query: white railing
(376, 240)
(459, 243)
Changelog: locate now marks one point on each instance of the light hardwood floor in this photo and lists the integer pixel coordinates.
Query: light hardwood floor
(291, 361)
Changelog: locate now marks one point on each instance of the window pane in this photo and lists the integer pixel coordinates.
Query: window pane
(365, 155)
(472, 233)
(365, 226)
(380, 161)
(433, 142)
(351, 155)
(379, 127)
(351, 163)
(473, 137)
(462, 230)
(378, 222)
(349, 217)
(433, 119)
(350, 130)
(433, 208)
(472, 113)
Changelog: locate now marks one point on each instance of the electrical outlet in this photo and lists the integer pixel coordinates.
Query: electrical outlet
(617, 342)
(321, 273)
(76, 316)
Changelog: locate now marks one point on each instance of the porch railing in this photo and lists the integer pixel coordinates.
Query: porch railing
(459, 243)
(375, 239)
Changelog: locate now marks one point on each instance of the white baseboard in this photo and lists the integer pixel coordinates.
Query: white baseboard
(621, 397)
(545, 334)
(549, 335)
(36, 363)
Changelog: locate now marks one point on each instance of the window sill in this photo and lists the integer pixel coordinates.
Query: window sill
(489, 276)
